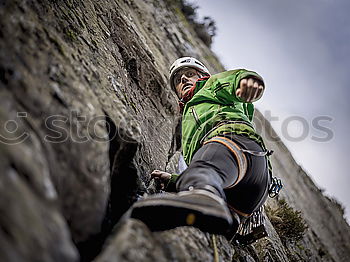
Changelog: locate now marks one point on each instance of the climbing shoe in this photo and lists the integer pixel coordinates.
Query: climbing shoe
(198, 208)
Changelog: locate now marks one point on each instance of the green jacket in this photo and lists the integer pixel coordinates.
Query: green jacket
(215, 110)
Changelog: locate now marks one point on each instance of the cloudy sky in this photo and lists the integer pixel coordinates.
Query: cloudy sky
(302, 49)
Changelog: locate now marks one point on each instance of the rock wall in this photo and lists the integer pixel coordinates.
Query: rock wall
(86, 114)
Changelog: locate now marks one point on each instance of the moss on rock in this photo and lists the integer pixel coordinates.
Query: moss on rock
(288, 222)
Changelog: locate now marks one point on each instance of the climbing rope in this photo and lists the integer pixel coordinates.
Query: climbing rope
(216, 254)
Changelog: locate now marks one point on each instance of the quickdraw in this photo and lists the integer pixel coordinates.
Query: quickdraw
(252, 229)
(275, 187)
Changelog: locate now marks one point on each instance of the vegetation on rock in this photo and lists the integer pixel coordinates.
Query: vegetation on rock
(288, 222)
(205, 28)
(339, 205)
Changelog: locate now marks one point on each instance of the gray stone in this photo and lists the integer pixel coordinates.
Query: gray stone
(133, 242)
(31, 225)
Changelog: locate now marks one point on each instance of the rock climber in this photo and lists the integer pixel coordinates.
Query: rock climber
(229, 171)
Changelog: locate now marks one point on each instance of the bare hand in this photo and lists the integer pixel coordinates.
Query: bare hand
(250, 89)
(161, 177)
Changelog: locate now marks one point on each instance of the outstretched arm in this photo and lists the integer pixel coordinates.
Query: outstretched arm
(250, 89)
(240, 85)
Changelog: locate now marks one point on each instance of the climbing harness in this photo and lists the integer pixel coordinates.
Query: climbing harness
(257, 153)
(236, 151)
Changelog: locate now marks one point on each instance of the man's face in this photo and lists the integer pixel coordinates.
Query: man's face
(184, 80)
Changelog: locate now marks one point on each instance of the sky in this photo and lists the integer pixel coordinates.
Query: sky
(302, 50)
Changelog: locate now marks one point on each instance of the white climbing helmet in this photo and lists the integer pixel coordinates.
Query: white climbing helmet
(186, 62)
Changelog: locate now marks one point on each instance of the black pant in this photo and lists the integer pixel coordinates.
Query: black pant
(214, 164)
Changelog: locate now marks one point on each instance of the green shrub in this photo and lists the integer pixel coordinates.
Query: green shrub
(288, 223)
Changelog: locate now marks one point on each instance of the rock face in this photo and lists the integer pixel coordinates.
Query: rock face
(86, 114)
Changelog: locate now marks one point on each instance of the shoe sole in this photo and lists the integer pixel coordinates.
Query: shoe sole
(164, 214)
